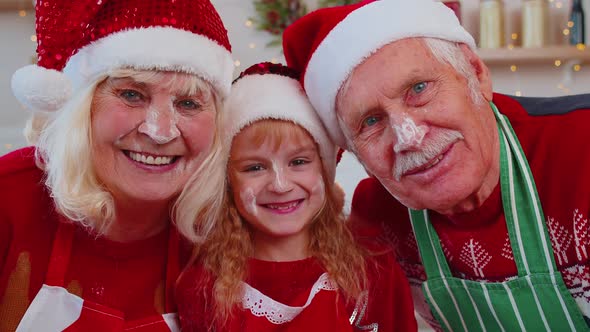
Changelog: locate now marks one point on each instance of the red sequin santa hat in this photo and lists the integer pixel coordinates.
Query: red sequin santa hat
(81, 41)
(272, 91)
(327, 44)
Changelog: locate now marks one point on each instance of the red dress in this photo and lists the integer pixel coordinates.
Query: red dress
(298, 296)
(476, 244)
(129, 278)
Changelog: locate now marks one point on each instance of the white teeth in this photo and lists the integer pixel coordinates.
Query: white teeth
(283, 206)
(435, 162)
(150, 160)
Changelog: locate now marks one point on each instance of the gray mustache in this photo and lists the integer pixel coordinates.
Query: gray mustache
(408, 160)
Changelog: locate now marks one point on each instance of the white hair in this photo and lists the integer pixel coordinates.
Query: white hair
(64, 151)
(450, 52)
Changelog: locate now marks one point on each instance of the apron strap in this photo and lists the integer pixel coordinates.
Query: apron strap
(172, 268)
(60, 254)
(524, 215)
(433, 259)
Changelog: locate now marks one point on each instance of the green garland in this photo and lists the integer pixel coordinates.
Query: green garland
(331, 3)
(273, 16)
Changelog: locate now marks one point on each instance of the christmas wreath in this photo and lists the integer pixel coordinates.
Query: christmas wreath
(273, 16)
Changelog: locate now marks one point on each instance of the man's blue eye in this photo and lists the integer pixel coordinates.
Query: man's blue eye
(370, 121)
(131, 95)
(419, 87)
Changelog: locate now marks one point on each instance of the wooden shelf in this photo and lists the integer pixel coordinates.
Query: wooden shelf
(549, 54)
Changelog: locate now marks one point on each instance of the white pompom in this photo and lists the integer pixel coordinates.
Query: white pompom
(41, 89)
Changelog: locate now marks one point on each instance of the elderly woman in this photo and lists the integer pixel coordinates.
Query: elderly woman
(125, 99)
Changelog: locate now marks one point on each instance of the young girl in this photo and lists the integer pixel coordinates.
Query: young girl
(281, 258)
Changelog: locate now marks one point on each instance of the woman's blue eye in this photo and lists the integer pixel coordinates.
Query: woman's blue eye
(188, 104)
(371, 121)
(419, 87)
(131, 95)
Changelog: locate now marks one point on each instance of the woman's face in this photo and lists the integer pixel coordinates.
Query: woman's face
(278, 190)
(149, 133)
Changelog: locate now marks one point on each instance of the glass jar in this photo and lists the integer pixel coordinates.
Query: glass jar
(491, 24)
(534, 23)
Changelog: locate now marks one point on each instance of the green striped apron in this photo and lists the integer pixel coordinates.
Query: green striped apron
(537, 300)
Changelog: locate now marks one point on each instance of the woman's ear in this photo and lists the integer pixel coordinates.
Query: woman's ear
(481, 71)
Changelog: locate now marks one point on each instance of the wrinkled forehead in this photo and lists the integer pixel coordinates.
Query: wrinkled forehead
(384, 72)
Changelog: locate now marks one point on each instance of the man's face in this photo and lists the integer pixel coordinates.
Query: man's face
(415, 127)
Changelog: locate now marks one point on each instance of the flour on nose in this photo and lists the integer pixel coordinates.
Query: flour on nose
(279, 180)
(408, 134)
(161, 131)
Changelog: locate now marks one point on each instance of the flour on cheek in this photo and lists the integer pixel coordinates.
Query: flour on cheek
(249, 201)
(319, 188)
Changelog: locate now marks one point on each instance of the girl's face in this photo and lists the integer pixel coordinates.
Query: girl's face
(277, 188)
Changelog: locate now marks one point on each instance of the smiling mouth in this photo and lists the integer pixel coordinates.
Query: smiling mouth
(431, 163)
(284, 207)
(151, 160)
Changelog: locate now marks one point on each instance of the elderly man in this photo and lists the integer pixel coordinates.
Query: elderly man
(497, 188)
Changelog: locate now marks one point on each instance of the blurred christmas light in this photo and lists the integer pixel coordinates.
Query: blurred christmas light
(274, 60)
(566, 31)
(252, 45)
(518, 93)
(510, 46)
(33, 38)
(22, 13)
(557, 63)
(514, 36)
(237, 63)
(581, 47)
(513, 68)
(248, 23)
(577, 67)
(558, 4)
(570, 24)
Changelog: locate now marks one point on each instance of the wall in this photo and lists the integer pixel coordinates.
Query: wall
(249, 47)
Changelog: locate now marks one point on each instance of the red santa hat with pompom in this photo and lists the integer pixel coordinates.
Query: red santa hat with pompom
(272, 91)
(327, 44)
(80, 42)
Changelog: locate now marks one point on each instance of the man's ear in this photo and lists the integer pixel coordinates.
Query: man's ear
(481, 71)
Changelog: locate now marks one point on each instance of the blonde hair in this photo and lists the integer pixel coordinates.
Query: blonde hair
(228, 245)
(64, 150)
